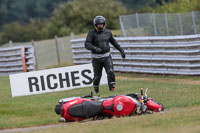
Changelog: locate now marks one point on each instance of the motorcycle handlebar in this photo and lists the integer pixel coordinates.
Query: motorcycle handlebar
(91, 95)
(141, 90)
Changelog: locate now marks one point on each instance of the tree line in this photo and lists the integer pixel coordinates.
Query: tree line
(24, 10)
(23, 20)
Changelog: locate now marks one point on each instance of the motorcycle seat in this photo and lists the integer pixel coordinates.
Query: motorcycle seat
(87, 109)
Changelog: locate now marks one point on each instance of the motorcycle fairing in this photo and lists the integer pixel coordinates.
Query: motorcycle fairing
(122, 106)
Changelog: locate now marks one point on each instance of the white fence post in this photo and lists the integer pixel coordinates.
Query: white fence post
(138, 24)
(154, 24)
(122, 26)
(194, 24)
(180, 23)
(166, 24)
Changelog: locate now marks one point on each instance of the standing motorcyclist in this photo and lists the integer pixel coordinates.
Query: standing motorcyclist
(98, 42)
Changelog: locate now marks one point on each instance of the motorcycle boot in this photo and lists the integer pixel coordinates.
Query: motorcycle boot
(111, 86)
(96, 89)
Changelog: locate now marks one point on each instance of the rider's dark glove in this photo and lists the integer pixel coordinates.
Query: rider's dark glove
(97, 50)
(123, 54)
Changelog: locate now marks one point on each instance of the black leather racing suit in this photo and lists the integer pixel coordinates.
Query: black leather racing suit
(98, 43)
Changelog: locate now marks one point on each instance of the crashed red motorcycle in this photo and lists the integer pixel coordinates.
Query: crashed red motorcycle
(80, 108)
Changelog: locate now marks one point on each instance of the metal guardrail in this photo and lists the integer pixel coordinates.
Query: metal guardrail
(178, 55)
(16, 60)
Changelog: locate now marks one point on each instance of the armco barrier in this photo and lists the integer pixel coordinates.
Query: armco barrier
(16, 59)
(178, 55)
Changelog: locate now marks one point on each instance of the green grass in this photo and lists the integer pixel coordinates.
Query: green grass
(180, 120)
(177, 93)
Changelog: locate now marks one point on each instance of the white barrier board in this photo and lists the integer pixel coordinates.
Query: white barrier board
(51, 80)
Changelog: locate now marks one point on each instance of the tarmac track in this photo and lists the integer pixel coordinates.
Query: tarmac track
(28, 129)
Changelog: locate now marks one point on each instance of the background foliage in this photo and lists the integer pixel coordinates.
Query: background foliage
(177, 6)
(76, 17)
(24, 10)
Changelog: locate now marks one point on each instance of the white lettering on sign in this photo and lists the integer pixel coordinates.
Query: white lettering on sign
(52, 80)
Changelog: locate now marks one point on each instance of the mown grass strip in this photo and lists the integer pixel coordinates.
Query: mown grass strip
(182, 120)
(35, 110)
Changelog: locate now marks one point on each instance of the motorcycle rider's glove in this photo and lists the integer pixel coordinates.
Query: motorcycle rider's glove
(123, 54)
(97, 50)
